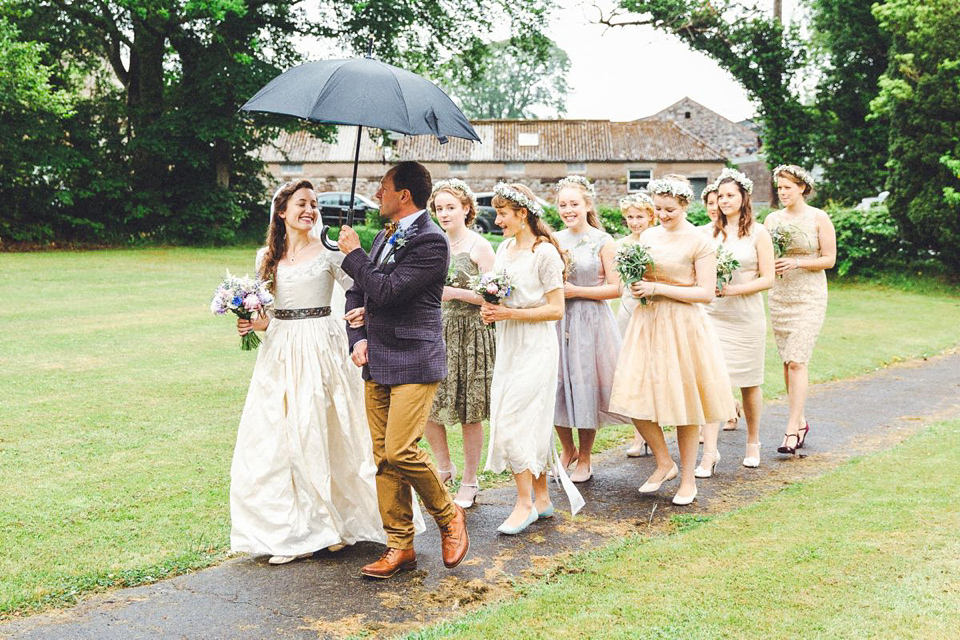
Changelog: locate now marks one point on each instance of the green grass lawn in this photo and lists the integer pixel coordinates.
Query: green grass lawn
(122, 393)
(869, 550)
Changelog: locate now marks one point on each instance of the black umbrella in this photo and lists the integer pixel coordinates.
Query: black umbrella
(366, 93)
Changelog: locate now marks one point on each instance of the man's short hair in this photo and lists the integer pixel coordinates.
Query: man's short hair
(415, 178)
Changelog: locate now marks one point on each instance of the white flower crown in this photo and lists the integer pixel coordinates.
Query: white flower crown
(737, 176)
(509, 193)
(457, 185)
(798, 172)
(639, 200)
(671, 188)
(579, 181)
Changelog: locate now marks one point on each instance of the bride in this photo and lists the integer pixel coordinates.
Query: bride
(303, 474)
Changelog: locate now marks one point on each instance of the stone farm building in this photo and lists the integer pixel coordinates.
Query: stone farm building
(619, 157)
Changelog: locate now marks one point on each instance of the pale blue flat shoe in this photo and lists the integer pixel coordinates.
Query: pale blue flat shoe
(546, 513)
(512, 531)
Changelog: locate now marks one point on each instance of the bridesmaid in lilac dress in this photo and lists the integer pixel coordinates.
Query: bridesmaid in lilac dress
(588, 334)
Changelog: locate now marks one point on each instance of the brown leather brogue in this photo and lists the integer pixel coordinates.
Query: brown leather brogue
(454, 540)
(391, 562)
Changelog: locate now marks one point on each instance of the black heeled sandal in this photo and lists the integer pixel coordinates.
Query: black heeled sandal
(804, 431)
(786, 448)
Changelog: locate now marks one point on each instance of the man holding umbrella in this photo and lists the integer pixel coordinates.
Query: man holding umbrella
(400, 347)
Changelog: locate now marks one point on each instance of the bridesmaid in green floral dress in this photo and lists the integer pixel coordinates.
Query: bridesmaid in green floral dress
(464, 396)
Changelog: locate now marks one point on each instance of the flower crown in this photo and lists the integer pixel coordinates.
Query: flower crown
(737, 176)
(671, 188)
(799, 173)
(455, 184)
(640, 200)
(579, 181)
(507, 192)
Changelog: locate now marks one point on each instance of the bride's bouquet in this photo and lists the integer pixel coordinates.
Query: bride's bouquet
(632, 261)
(492, 287)
(244, 297)
(726, 265)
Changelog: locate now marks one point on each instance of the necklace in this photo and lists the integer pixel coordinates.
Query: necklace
(293, 254)
(456, 243)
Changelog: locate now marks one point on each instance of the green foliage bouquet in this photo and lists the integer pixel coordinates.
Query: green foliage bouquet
(632, 262)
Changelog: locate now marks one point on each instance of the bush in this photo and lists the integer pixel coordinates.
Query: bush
(869, 241)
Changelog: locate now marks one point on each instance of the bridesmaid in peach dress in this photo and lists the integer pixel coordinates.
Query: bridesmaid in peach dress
(798, 300)
(671, 370)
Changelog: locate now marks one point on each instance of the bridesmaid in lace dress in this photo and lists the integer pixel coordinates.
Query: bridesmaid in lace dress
(588, 335)
(798, 300)
(524, 390)
(464, 396)
(302, 477)
(737, 311)
(671, 370)
(637, 210)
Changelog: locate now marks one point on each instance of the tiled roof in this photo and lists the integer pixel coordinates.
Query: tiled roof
(558, 141)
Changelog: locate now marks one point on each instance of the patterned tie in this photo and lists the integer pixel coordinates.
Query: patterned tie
(390, 228)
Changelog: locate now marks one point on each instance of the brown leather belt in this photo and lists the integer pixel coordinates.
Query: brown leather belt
(301, 314)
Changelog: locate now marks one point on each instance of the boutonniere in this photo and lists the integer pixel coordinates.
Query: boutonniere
(401, 236)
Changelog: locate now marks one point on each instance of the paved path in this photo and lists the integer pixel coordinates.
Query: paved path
(323, 596)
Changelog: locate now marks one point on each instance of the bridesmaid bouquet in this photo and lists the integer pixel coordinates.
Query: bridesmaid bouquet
(632, 261)
(726, 265)
(244, 297)
(784, 237)
(492, 287)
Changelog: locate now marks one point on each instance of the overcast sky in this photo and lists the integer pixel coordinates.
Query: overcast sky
(632, 72)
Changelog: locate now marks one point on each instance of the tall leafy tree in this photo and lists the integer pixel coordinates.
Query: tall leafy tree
(849, 55)
(763, 55)
(920, 97)
(519, 75)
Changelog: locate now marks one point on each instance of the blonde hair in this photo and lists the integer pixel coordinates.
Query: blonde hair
(582, 185)
(466, 199)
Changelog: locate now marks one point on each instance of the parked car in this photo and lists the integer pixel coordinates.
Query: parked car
(866, 203)
(335, 205)
(487, 215)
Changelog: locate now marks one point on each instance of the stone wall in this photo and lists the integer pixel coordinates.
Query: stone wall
(732, 139)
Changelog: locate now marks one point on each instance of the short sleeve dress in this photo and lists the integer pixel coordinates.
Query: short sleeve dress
(523, 393)
(671, 369)
(740, 321)
(464, 396)
(589, 339)
(798, 299)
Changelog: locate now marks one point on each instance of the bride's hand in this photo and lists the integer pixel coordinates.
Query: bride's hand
(356, 317)
(257, 323)
(494, 313)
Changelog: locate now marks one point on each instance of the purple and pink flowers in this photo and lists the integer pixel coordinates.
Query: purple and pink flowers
(244, 297)
(492, 287)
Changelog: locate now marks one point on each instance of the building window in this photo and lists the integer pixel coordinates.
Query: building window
(288, 169)
(698, 185)
(458, 167)
(513, 167)
(576, 167)
(638, 179)
(686, 115)
(528, 139)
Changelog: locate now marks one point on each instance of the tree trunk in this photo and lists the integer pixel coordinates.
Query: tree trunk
(145, 103)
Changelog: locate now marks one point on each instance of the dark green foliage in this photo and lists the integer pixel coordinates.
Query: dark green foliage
(920, 97)
(869, 242)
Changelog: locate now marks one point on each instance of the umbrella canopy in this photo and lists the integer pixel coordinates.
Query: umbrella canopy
(364, 92)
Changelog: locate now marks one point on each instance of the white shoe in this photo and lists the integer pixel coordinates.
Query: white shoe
(286, 559)
(752, 462)
(650, 487)
(706, 472)
(470, 498)
(684, 500)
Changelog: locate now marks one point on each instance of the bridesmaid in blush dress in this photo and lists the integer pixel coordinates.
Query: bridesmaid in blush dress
(737, 311)
(798, 300)
(671, 370)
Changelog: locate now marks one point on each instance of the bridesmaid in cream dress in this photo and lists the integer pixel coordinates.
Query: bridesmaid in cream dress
(671, 370)
(798, 300)
(524, 390)
(737, 311)
(637, 210)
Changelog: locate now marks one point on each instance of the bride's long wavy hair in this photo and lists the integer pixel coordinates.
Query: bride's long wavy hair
(277, 231)
(541, 230)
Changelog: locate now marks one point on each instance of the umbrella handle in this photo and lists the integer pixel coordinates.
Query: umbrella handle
(327, 242)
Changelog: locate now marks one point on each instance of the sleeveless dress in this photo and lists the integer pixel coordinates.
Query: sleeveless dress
(302, 476)
(671, 370)
(798, 299)
(589, 339)
(464, 396)
(627, 302)
(740, 321)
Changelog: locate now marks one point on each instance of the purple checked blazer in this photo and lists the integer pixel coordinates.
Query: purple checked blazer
(404, 326)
